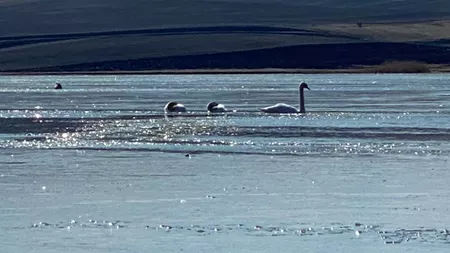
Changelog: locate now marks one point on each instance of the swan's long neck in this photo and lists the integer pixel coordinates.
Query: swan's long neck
(302, 100)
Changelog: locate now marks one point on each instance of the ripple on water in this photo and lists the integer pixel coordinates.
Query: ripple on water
(239, 134)
(356, 230)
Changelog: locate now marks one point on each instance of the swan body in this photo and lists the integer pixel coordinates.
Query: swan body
(285, 108)
(174, 107)
(215, 107)
(280, 108)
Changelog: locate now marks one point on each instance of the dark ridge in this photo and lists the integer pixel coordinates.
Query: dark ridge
(441, 42)
(301, 56)
(7, 42)
(22, 42)
(162, 31)
(60, 16)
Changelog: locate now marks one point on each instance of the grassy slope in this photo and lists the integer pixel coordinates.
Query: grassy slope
(326, 22)
(67, 16)
(394, 32)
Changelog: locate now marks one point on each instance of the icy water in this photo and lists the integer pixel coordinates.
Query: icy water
(98, 167)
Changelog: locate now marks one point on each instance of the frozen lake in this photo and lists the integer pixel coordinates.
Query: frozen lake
(98, 167)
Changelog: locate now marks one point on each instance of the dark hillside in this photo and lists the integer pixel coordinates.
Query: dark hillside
(22, 17)
(150, 34)
(310, 56)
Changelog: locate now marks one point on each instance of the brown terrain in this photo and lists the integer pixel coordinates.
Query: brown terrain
(267, 36)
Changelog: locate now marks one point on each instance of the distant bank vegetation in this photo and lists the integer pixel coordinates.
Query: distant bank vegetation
(401, 67)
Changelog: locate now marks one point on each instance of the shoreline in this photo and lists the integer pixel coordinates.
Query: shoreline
(364, 70)
(191, 72)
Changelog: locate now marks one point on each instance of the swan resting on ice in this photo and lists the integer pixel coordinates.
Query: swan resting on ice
(285, 108)
(215, 107)
(174, 107)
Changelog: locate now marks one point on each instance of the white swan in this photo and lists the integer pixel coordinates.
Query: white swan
(215, 107)
(174, 107)
(285, 108)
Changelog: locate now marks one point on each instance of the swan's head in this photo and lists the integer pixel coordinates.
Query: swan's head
(58, 86)
(303, 85)
(211, 105)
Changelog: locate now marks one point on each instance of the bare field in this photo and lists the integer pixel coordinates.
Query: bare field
(26, 17)
(121, 47)
(424, 31)
(320, 47)
(153, 35)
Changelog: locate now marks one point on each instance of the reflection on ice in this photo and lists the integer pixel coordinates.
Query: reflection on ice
(356, 230)
(229, 135)
(99, 168)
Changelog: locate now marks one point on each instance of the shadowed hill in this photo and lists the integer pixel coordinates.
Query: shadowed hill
(51, 51)
(137, 34)
(66, 16)
(306, 56)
